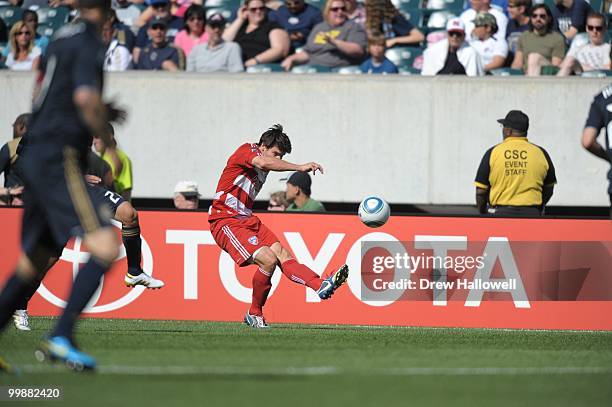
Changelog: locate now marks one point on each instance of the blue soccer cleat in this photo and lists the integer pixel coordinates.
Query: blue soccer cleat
(255, 321)
(60, 348)
(331, 283)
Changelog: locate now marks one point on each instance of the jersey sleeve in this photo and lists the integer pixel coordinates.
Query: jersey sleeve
(245, 154)
(596, 118)
(551, 178)
(484, 169)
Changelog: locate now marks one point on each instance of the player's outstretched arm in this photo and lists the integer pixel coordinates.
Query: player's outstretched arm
(276, 164)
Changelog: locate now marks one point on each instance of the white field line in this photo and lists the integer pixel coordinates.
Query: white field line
(326, 371)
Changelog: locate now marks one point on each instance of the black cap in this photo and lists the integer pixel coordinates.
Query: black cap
(158, 21)
(515, 119)
(216, 20)
(301, 180)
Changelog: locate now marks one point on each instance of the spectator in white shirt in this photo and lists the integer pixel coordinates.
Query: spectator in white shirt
(118, 57)
(492, 49)
(592, 56)
(478, 6)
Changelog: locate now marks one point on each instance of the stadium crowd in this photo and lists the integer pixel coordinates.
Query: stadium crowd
(428, 37)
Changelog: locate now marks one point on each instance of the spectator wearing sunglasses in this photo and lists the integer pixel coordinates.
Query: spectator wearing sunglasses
(193, 33)
(540, 46)
(453, 55)
(160, 9)
(23, 55)
(592, 56)
(159, 54)
(518, 23)
(215, 55)
(261, 40)
(571, 16)
(335, 42)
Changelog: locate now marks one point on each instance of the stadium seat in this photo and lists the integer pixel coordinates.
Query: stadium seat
(407, 70)
(53, 17)
(408, 4)
(403, 56)
(225, 12)
(310, 69)
(414, 15)
(265, 68)
(317, 3)
(437, 20)
(597, 74)
(10, 15)
(348, 70)
(233, 4)
(45, 30)
(596, 5)
(506, 72)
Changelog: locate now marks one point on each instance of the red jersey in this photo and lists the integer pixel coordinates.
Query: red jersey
(239, 185)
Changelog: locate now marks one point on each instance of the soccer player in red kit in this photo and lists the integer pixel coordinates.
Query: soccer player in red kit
(241, 234)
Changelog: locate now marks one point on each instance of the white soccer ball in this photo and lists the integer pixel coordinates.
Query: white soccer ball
(374, 211)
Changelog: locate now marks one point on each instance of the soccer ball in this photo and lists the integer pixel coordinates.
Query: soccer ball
(374, 211)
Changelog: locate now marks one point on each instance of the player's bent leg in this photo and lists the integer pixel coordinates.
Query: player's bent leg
(296, 272)
(301, 274)
(130, 234)
(103, 246)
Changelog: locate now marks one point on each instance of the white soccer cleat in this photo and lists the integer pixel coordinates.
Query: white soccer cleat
(143, 279)
(255, 321)
(20, 317)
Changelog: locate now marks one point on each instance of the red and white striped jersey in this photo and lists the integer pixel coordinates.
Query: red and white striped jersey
(239, 185)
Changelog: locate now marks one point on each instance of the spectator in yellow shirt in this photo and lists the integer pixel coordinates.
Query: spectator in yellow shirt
(119, 162)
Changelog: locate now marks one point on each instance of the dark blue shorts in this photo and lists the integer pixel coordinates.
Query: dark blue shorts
(101, 194)
(57, 202)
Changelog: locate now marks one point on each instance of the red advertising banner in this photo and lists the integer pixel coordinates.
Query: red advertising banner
(202, 282)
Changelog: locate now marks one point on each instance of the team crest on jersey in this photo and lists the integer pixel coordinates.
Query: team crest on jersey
(253, 240)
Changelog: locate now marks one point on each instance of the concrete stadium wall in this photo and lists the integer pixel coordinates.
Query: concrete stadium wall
(408, 139)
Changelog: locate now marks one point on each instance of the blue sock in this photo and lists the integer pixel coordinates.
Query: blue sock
(12, 295)
(132, 241)
(84, 286)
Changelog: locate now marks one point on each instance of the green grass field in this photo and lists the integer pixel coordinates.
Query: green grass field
(163, 363)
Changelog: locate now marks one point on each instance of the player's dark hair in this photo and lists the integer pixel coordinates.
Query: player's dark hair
(551, 22)
(275, 137)
(110, 129)
(103, 4)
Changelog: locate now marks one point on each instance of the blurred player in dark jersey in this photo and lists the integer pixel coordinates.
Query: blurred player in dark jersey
(600, 116)
(67, 110)
(100, 181)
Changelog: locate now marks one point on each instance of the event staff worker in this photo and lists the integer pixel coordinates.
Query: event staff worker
(515, 177)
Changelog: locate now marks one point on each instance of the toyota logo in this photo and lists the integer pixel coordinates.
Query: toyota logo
(78, 257)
